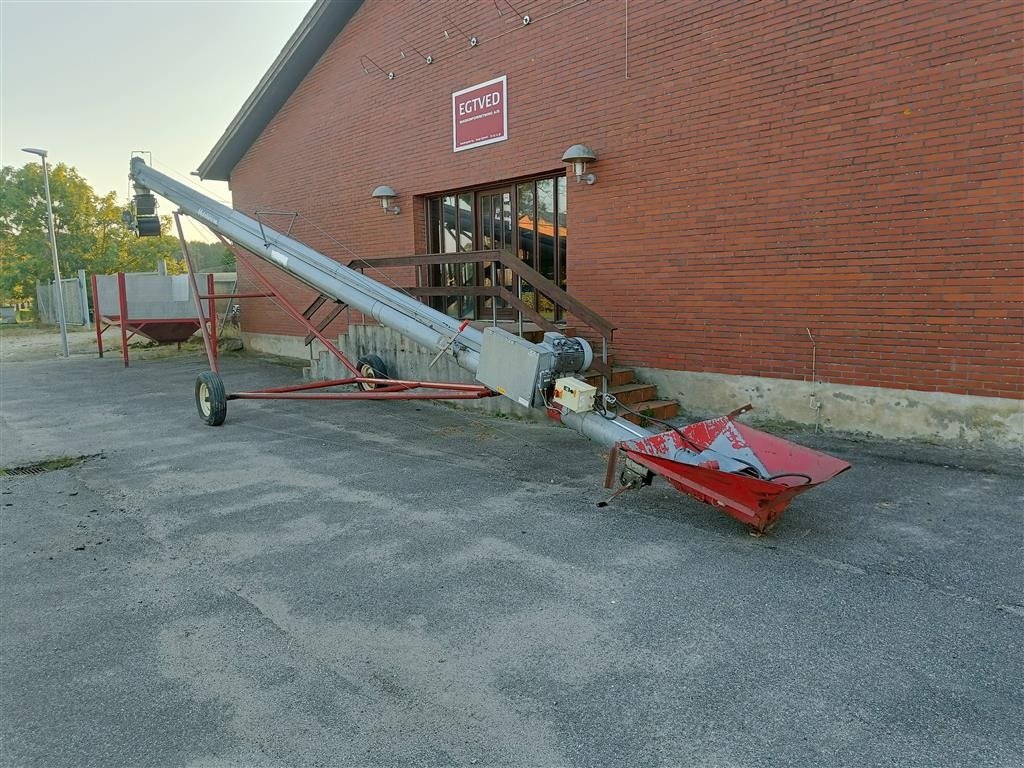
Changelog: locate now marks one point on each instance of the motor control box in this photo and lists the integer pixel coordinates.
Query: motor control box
(576, 395)
(512, 366)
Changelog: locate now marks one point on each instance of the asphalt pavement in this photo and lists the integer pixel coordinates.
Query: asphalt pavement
(403, 584)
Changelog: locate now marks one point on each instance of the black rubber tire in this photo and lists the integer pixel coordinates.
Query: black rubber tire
(371, 366)
(211, 399)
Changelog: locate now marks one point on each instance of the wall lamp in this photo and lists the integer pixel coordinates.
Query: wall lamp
(579, 155)
(387, 196)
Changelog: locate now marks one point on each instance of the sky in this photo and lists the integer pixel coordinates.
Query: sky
(92, 81)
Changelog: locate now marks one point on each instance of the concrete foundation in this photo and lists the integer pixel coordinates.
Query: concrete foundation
(934, 417)
(407, 360)
(274, 344)
(894, 414)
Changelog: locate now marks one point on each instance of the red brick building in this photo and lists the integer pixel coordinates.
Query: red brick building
(816, 206)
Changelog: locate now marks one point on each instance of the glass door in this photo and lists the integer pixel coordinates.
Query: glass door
(527, 219)
(450, 230)
(494, 227)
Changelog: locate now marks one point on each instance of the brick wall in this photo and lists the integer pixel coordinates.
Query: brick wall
(768, 173)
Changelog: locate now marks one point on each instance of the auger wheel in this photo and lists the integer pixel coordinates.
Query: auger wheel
(211, 399)
(371, 367)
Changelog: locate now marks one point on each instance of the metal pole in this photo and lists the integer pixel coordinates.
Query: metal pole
(604, 359)
(211, 290)
(56, 262)
(211, 353)
(519, 293)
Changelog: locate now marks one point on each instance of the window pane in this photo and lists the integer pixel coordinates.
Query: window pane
(562, 231)
(505, 221)
(546, 227)
(526, 216)
(433, 224)
(449, 243)
(546, 239)
(466, 222)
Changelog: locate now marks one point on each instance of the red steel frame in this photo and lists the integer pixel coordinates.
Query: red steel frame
(383, 389)
(104, 322)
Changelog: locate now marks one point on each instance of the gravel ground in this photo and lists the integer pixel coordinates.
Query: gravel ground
(26, 342)
(404, 584)
(21, 343)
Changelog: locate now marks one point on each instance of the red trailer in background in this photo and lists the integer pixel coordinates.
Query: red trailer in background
(160, 308)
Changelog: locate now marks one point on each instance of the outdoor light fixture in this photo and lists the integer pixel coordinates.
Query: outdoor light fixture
(61, 318)
(387, 195)
(579, 155)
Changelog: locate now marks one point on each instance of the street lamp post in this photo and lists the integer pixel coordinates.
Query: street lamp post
(53, 246)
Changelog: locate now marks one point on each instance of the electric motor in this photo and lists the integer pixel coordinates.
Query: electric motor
(569, 354)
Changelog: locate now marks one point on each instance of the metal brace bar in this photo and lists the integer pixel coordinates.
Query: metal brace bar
(341, 306)
(288, 307)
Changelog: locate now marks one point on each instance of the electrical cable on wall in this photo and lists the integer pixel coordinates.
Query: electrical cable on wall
(362, 62)
(425, 56)
(525, 17)
(474, 40)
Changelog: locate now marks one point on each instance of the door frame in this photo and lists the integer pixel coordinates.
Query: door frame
(511, 188)
(503, 310)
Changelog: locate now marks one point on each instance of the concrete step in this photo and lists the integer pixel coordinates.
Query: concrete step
(659, 409)
(634, 393)
(531, 331)
(537, 336)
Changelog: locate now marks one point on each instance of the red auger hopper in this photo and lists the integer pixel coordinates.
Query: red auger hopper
(748, 474)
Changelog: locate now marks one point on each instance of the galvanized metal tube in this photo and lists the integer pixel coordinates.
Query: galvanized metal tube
(605, 431)
(389, 307)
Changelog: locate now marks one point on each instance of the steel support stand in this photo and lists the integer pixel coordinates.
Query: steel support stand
(213, 313)
(122, 298)
(211, 354)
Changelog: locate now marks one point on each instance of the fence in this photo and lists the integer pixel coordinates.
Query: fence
(76, 302)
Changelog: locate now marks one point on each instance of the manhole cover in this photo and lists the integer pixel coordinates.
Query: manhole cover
(48, 465)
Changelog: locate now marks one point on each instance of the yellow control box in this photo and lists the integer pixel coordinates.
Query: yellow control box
(576, 395)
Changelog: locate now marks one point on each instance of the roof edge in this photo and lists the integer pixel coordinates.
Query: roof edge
(314, 35)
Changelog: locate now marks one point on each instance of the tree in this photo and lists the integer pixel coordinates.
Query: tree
(89, 230)
(143, 254)
(211, 257)
(25, 234)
